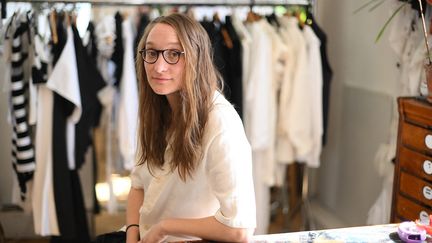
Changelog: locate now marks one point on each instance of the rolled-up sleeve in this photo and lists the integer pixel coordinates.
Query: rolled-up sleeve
(136, 177)
(229, 168)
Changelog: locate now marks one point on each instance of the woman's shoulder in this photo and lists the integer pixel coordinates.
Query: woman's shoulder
(223, 115)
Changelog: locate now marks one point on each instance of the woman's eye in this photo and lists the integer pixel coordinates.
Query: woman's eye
(173, 53)
(152, 53)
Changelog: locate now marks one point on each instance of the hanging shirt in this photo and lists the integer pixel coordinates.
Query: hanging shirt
(245, 40)
(64, 82)
(128, 107)
(234, 65)
(118, 55)
(90, 82)
(258, 89)
(314, 87)
(327, 74)
(292, 90)
(405, 37)
(23, 156)
(257, 115)
(43, 203)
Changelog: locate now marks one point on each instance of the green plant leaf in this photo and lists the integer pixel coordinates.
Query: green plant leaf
(376, 6)
(363, 6)
(388, 21)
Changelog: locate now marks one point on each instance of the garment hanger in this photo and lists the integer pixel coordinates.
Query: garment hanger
(227, 38)
(300, 14)
(53, 25)
(9, 25)
(68, 18)
(252, 16)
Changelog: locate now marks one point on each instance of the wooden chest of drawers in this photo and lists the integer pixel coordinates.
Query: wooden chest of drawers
(412, 186)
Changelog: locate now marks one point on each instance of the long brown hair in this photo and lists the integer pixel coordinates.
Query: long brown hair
(200, 81)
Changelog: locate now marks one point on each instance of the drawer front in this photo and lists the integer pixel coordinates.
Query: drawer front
(417, 138)
(417, 111)
(416, 163)
(416, 188)
(409, 210)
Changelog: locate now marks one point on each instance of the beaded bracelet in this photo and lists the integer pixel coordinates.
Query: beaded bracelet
(131, 226)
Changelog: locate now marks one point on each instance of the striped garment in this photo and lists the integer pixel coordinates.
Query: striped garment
(23, 157)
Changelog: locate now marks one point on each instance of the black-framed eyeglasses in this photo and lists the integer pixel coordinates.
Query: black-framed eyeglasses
(171, 56)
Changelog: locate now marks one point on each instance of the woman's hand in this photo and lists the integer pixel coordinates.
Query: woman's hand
(155, 234)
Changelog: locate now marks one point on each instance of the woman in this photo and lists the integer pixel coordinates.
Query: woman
(193, 177)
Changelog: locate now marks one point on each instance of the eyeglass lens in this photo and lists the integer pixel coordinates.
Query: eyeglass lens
(170, 56)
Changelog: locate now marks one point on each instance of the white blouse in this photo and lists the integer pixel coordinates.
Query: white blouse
(221, 186)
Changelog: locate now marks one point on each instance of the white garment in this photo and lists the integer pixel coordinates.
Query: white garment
(63, 81)
(278, 55)
(105, 41)
(314, 92)
(128, 107)
(407, 41)
(400, 26)
(44, 208)
(222, 183)
(291, 119)
(259, 85)
(257, 93)
(108, 96)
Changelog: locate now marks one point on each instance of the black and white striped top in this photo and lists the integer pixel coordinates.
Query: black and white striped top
(23, 156)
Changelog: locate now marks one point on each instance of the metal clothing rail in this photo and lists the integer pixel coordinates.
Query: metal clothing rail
(179, 2)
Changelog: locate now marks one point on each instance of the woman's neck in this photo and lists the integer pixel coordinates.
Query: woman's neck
(174, 101)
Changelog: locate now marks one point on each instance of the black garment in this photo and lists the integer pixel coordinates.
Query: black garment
(222, 59)
(117, 56)
(112, 237)
(3, 9)
(71, 214)
(90, 82)
(235, 67)
(220, 52)
(39, 74)
(327, 73)
(91, 47)
(143, 22)
(62, 37)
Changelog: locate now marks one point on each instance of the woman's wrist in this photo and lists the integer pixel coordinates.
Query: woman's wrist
(131, 226)
(163, 226)
(132, 233)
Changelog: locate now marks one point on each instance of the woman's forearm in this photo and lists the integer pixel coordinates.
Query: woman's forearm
(205, 228)
(134, 202)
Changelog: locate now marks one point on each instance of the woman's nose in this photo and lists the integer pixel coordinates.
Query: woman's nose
(160, 65)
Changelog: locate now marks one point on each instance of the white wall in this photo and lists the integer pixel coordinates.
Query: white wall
(6, 170)
(364, 82)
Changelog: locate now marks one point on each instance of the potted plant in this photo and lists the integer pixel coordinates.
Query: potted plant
(428, 65)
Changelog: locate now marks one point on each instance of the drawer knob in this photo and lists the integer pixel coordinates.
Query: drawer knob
(424, 217)
(428, 141)
(427, 192)
(427, 167)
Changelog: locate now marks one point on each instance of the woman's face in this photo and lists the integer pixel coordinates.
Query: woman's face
(164, 78)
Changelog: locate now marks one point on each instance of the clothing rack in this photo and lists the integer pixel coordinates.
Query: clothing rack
(180, 2)
(303, 205)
